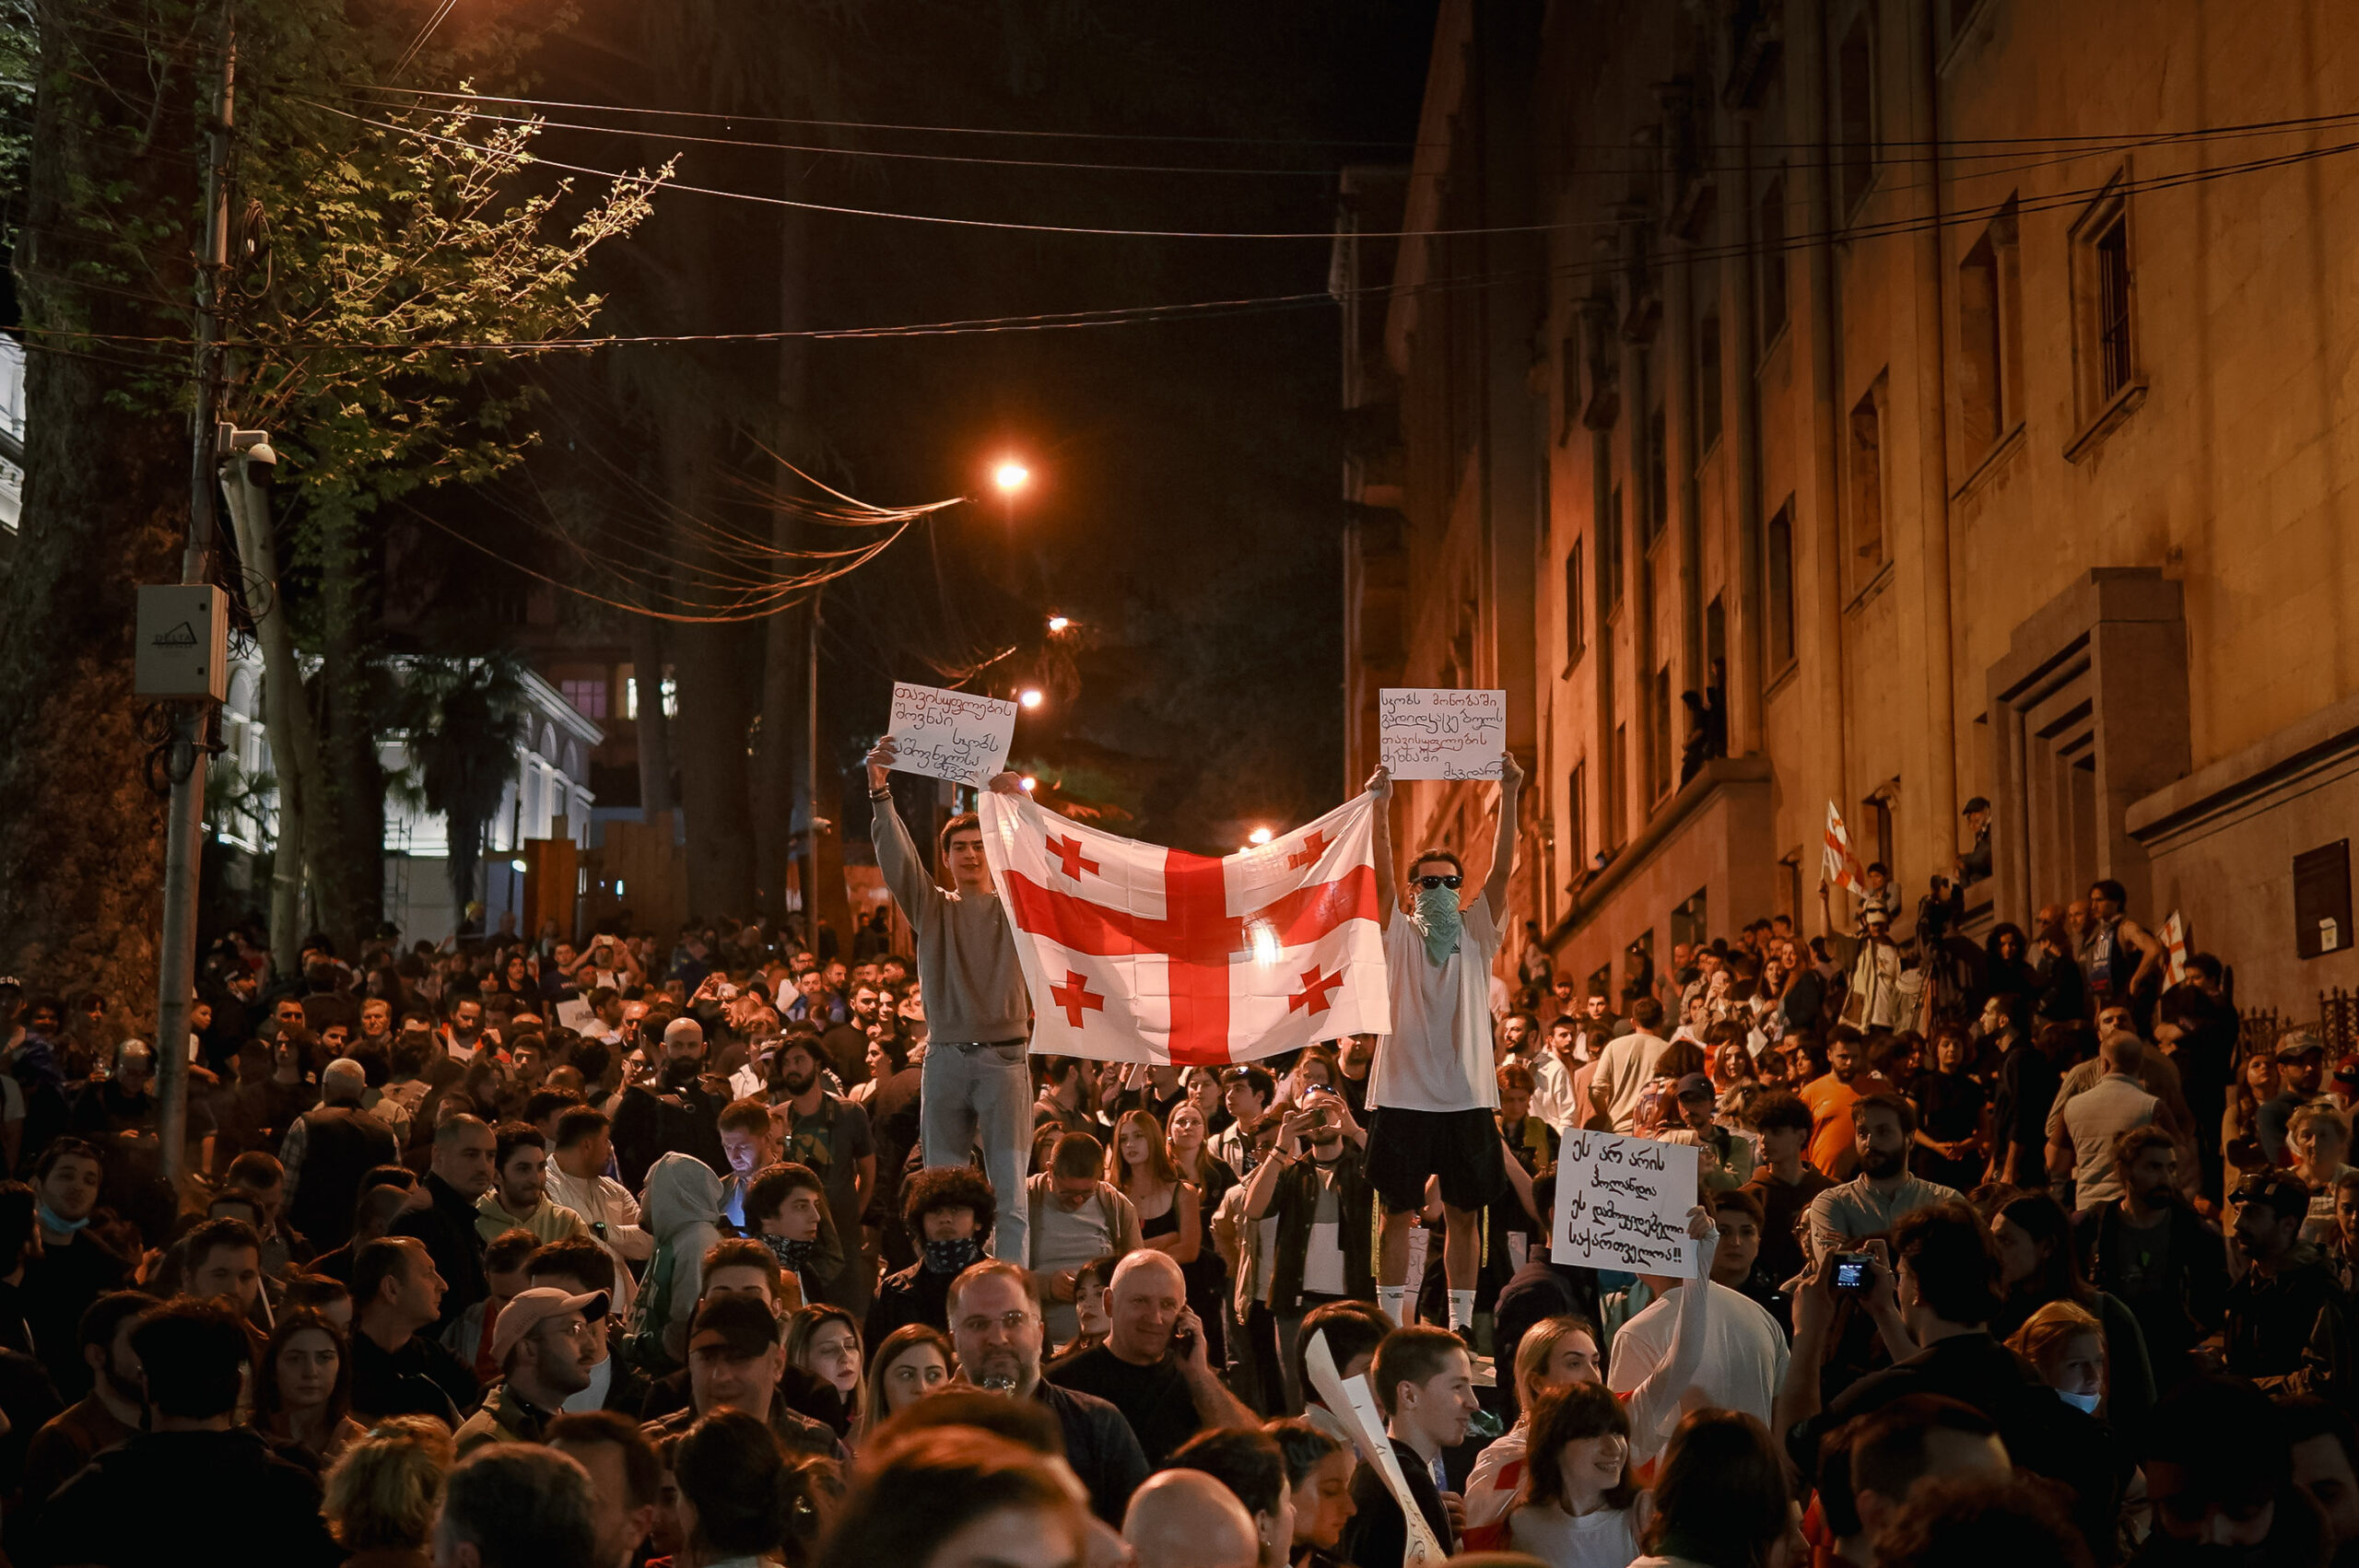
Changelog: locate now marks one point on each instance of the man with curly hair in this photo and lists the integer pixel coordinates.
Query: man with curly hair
(948, 1211)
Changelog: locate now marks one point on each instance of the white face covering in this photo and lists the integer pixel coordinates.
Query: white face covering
(2084, 1402)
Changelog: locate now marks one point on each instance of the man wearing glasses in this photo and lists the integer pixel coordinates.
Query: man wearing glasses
(1432, 1096)
(541, 1343)
(994, 1312)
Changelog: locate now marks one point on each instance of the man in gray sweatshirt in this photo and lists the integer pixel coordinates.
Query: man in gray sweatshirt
(975, 1088)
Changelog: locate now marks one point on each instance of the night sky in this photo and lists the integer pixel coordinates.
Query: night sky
(1187, 509)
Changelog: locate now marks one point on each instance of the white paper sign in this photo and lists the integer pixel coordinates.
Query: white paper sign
(576, 1016)
(1430, 732)
(960, 736)
(1354, 1403)
(1622, 1202)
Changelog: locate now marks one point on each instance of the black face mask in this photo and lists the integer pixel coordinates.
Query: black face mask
(950, 1257)
(791, 1255)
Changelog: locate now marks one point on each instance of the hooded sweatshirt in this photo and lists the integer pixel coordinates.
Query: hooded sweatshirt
(682, 1211)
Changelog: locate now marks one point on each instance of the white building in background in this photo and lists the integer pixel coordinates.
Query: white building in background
(551, 780)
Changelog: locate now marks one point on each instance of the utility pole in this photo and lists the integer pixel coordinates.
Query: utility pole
(185, 830)
(811, 785)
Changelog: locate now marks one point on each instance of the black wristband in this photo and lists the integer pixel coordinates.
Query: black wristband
(885, 794)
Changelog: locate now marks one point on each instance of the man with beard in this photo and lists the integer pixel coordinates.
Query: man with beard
(2161, 1258)
(679, 1112)
(830, 1135)
(1844, 1217)
(541, 1343)
(994, 1310)
(109, 1413)
(518, 1199)
(2288, 1322)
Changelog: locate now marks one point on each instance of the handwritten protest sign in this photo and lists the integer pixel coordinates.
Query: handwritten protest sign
(1353, 1403)
(1622, 1203)
(1428, 732)
(960, 736)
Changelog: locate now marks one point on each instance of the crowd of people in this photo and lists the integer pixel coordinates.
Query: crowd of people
(732, 1250)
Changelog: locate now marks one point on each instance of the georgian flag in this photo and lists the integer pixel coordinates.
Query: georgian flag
(1134, 953)
(1841, 866)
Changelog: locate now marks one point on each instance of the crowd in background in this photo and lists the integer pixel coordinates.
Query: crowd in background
(528, 1250)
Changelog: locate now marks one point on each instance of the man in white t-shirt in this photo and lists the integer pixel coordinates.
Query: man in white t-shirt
(1433, 1096)
(1741, 1363)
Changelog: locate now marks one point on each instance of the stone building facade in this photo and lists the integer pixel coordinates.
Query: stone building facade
(1956, 395)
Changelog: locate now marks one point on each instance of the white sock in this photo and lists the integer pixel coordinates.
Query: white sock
(1394, 1300)
(1461, 1309)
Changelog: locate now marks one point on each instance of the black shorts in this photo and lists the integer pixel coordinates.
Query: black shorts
(1405, 1147)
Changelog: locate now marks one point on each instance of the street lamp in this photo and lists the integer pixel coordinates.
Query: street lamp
(1258, 837)
(1030, 698)
(1030, 783)
(1011, 476)
(1058, 623)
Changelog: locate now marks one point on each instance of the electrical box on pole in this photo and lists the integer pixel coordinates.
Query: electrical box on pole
(183, 643)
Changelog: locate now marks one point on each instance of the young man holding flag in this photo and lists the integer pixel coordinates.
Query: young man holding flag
(977, 1087)
(1433, 1096)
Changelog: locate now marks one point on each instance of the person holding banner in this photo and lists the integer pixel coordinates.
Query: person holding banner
(976, 1087)
(1433, 1096)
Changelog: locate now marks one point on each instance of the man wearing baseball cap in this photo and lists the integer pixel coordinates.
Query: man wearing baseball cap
(735, 1358)
(2301, 1080)
(541, 1343)
(2288, 1323)
(1728, 1155)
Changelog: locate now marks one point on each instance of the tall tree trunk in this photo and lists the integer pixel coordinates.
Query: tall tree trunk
(654, 724)
(294, 742)
(105, 508)
(349, 808)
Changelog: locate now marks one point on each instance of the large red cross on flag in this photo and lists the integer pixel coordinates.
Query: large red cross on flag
(1134, 953)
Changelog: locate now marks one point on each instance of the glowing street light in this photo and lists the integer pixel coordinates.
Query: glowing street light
(1011, 476)
(1031, 697)
(1259, 837)
(1058, 623)
(1030, 783)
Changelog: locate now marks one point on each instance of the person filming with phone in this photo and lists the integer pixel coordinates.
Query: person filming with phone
(1316, 1185)
(1153, 1366)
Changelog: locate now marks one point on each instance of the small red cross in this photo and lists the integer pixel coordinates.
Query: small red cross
(1076, 995)
(1068, 850)
(1312, 847)
(1314, 993)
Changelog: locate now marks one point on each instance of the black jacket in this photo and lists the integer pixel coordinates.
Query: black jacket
(655, 1119)
(1377, 1536)
(447, 1226)
(158, 1497)
(341, 1144)
(2175, 1312)
(421, 1378)
(916, 1295)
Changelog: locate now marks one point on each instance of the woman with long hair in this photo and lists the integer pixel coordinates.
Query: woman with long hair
(1207, 1274)
(1555, 1352)
(303, 1392)
(825, 1343)
(2007, 970)
(1580, 1506)
(907, 1365)
(1170, 1211)
(1721, 1499)
(2240, 1145)
(384, 1490)
(2039, 1265)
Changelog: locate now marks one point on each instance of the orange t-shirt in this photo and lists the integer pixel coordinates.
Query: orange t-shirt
(1830, 1100)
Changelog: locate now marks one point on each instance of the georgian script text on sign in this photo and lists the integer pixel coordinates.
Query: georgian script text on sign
(1622, 1203)
(960, 736)
(1430, 732)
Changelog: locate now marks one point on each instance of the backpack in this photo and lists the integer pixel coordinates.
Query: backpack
(644, 1346)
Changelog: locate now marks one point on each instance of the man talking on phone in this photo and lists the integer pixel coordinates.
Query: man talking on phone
(1153, 1366)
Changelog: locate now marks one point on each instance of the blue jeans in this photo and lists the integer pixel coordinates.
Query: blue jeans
(975, 1093)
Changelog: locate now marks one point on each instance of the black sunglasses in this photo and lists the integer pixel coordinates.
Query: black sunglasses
(1430, 883)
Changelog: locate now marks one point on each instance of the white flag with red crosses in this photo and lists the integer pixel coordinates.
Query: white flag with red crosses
(1136, 953)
